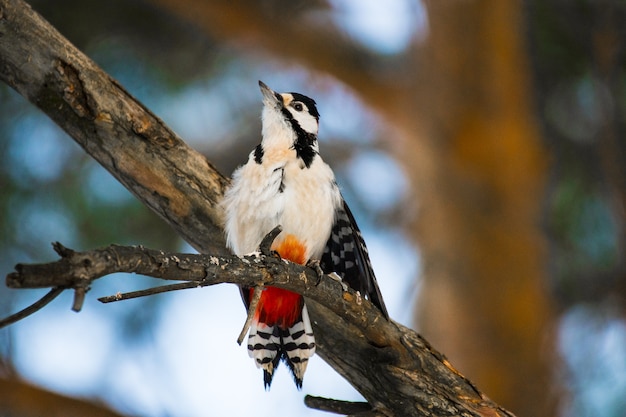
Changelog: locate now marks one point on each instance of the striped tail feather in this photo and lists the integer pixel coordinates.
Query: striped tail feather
(267, 345)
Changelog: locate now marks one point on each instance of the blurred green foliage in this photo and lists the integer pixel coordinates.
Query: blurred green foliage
(579, 62)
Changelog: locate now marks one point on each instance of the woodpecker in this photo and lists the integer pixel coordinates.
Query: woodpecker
(285, 182)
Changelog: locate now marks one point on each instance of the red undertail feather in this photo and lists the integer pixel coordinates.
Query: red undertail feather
(277, 306)
(281, 328)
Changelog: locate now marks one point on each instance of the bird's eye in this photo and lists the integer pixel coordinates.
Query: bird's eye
(298, 106)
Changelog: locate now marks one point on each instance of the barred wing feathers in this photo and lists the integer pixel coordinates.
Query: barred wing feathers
(347, 256)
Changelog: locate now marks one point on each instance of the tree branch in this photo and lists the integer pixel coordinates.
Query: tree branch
(80, 269)
(386, 352)
(336, 406)
(395, 369)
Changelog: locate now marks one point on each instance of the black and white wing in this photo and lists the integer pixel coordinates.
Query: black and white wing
(347, 256)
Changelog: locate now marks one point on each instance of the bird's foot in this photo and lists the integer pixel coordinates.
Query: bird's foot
(315, 265)
(335, 276)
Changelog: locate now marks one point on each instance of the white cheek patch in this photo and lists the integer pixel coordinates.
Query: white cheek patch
(307, 122)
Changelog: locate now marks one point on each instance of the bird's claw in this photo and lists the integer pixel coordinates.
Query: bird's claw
(315, 265)
(336, 277)
(266, 243)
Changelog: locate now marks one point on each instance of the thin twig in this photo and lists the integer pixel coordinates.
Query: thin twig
(254, 301)
(265, 249)
(36, 306)
(148, 291)
(79, 298)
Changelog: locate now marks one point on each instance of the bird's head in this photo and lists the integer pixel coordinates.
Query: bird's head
(289, 120)
(292, 108)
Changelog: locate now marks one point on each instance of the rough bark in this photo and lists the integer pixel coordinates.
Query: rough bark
(399, 375)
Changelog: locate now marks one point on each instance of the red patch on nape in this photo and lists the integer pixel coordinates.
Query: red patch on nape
(277, 306)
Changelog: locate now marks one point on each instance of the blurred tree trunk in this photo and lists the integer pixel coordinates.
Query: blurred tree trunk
(481, 170)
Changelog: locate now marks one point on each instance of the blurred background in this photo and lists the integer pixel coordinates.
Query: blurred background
(479, 143)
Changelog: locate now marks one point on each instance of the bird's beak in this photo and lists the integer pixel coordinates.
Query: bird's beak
(270, 97)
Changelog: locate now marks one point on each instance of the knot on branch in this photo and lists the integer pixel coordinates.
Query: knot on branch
(75, 270)
(74, 93)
